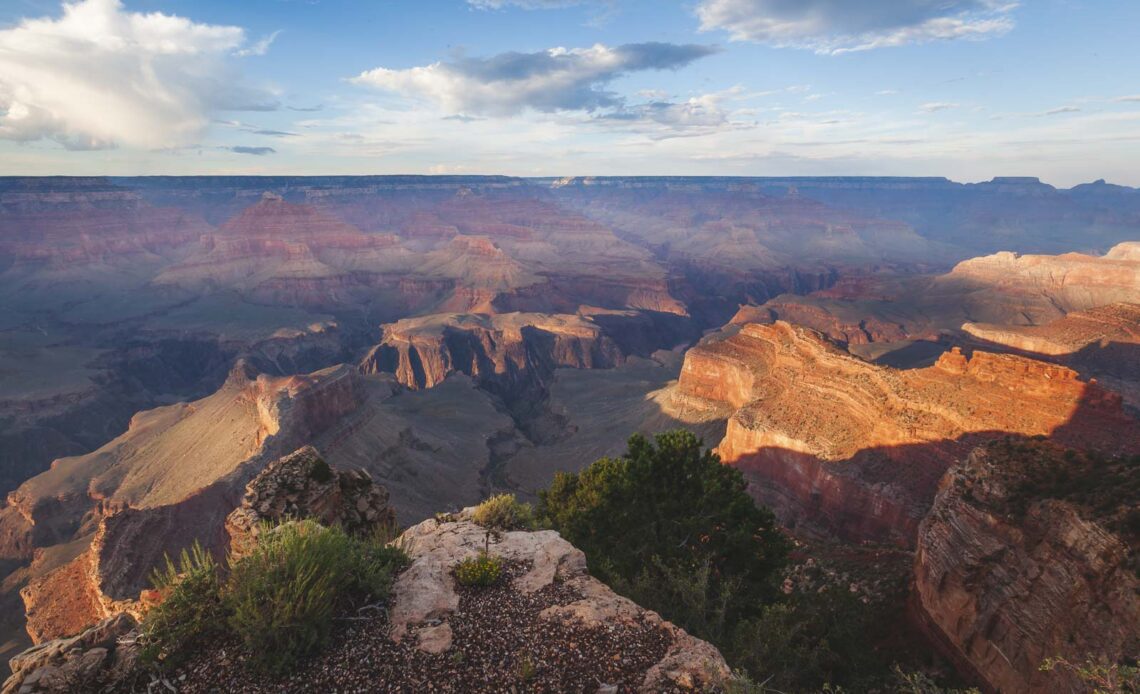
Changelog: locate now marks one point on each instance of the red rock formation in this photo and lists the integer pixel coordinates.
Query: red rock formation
(1006, 578)
(169, 480)
(505, 348)
(835, 442)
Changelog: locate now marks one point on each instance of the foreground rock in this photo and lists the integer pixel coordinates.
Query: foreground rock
(302, 485)
(103, 651)
(427, 598)
(547, 625)
(832, 442)
(1017, 562)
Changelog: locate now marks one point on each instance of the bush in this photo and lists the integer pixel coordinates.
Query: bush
(481, 570)
(670, 527)
(191, 612)
(282, 598)
(504, 512)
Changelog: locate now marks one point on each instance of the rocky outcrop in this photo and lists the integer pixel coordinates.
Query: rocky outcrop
(581, 634)
(1070, 282)
(1005, 577)
(1103, 342)
(503, 350)
(170, 480)
(302, 485)
(425, 596)
(1118, 322)
(85, 662)
(832, 442)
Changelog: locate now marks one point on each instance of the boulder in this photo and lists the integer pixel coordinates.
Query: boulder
(302, 485)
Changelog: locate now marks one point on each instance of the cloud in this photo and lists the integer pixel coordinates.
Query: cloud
(702, 111)
(936, 106)
(1061, 109)
(255, 151)
(839, 26)
(1127, 99)
(558, 79)
(259, 48)
(99, 77)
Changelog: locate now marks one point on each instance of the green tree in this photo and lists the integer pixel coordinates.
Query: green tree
(671, 527)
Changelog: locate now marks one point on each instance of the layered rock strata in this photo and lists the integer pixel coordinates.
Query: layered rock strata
(100, 522)
(833, 442)
(1006, 579)
(503, 349)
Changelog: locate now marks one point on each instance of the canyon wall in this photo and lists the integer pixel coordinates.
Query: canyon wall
(1020, 560)
(837, 444)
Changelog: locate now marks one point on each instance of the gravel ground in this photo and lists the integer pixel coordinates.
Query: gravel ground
(499, 645)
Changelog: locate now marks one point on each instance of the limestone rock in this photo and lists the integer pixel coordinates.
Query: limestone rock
(425, 592)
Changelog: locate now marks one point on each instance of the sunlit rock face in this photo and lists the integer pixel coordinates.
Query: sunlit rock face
(835, 443)
(112, 514)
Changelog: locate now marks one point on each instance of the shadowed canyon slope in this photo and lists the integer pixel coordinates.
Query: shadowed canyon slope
(830, 440)
(1028, 554)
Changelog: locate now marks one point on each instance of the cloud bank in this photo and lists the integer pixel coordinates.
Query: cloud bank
(839, 26)
(99, 77)
(558, 79)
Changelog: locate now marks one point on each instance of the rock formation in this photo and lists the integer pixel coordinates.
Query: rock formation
(504, 349)
(169, 480)
(583, 633)
(831, 441)
(425, 596)
(1027, 555)
(101, 652)
(302, 485)
(1103, 342)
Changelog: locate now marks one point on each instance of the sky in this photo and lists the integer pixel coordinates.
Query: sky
(967, 89)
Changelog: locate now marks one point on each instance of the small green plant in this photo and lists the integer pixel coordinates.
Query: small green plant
(527, 669)
(282, 598)
(504, 512)
(481, 570)
(1102, 676)
(191, 611)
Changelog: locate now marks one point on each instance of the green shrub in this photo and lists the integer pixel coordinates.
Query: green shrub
(481, 570)
(504, 512)
(671, 527)
(191, 612)
(283, 596)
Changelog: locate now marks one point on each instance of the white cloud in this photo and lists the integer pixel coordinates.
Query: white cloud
(1127, 99)
(259, 48)
(936, 106)
(558, 79)
(839, 26)
(99, 77)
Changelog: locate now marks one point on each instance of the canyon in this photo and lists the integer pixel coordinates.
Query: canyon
(857, 449)
(848, 344)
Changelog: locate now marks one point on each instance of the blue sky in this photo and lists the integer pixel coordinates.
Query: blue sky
(968, 89)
